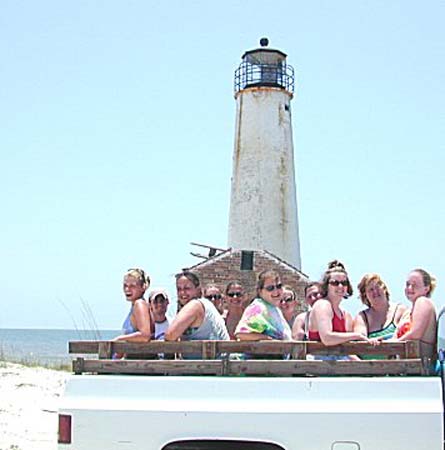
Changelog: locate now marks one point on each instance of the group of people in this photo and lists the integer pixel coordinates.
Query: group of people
(381, 319)
(208, 313)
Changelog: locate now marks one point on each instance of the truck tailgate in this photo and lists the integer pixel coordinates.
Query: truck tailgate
(312, 413)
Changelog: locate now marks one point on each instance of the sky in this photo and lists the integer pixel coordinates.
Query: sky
(117, 132)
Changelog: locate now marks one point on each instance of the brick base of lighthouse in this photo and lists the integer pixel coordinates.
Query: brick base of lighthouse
(245, 266)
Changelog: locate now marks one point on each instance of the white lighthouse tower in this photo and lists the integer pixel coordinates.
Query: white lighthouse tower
(263, 203)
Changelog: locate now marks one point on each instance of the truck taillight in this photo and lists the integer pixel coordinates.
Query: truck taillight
(64, 429)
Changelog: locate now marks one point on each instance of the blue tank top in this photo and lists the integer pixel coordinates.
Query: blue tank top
(127, 326)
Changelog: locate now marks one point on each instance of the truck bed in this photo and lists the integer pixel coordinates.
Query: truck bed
(150, 412)
(250, 411)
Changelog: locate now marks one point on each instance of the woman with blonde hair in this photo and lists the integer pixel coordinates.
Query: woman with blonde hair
(419, 322)
(381, 318)
(137, 325)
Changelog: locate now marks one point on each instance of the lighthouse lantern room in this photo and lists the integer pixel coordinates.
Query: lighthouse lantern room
(263, 205)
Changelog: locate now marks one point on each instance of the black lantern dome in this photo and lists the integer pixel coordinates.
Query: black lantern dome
(264, 67)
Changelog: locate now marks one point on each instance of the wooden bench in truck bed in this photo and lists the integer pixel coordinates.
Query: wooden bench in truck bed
(268, 358)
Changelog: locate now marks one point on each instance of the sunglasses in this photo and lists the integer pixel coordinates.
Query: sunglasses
(235, 294)
(338, 282)
(271, 288)
(214, 297)
(158, 300)
(287, 300)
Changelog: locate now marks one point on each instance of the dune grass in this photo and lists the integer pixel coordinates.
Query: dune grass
(61, 365)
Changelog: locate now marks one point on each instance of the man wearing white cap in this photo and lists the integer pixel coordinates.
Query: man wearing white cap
(158, 301)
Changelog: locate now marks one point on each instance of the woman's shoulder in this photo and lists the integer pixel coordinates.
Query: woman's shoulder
(322, 308)
(255, 307)
(398, 310)
(302, 315)
(363, 314)
(257, 303)
(140, 303)
(424, 303)
(194, 306)
(322, 304)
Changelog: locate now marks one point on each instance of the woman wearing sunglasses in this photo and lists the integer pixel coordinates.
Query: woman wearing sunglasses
(213, 293)
(263, 319)
(328, 323)
(235, 299)
(288, 304)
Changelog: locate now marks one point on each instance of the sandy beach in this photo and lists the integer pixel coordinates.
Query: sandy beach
(28, 406)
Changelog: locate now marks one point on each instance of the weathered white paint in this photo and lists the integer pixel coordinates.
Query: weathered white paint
(147, 412)
(263, 204)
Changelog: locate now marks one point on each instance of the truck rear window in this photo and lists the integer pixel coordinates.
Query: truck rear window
(223, 444)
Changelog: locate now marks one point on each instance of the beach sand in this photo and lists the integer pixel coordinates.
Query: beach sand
(28, 406)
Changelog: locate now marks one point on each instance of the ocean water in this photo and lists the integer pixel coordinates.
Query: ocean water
(46, 347)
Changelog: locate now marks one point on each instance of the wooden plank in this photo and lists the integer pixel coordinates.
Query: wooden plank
(78, 366)
(105, 350)
(154, 367)
(299, 351)
(252, 367)
(149, 348)
(190, 347)
(83, 347)
(317, 368)
(362, 348)
(155, 347)
(211, 349)
(208, 350)
(428, 350)
(261, 348)
(225, 366)
(412, 349)
(429, 356)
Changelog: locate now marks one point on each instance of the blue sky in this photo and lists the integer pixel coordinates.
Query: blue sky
(117, 138)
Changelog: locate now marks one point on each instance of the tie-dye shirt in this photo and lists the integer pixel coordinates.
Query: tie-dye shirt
(265, 318)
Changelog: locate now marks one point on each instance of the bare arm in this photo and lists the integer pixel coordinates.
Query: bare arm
(141, 318)
(298, 327)
(422, 315)
(192, 314)
(322, 314)
(401, 310)
(359, 325)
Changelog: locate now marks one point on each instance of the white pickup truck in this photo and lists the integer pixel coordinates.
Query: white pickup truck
(221, 402)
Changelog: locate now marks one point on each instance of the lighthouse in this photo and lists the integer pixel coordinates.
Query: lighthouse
(263, 203)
